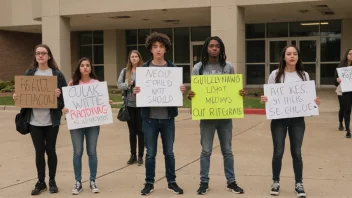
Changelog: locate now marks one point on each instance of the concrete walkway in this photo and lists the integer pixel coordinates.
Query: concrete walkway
(326, 155)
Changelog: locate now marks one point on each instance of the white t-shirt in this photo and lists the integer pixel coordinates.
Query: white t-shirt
(289, 77)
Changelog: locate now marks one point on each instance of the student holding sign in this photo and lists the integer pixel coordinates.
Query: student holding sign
(126, 82)
(44, 123)
(214, 62)
(159, 120)
(84, 74)
(345, 100)
(290, 70)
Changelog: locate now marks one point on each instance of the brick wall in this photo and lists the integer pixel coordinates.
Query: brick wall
(16, 52)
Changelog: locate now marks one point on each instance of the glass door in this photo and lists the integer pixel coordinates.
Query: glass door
(309, 51)
(274, 47)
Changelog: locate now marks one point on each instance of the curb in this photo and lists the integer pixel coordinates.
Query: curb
(254, 111)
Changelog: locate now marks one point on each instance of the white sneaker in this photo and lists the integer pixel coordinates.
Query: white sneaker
(93, 187)
(77, 188)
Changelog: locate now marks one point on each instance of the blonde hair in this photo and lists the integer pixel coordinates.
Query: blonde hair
(129, 65)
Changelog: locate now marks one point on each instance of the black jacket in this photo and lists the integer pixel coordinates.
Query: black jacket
(55, 114)
(172, 111)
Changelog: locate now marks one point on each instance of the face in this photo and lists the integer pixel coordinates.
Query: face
(214, 48)
(291, 56)
(158, 50)
(41, 55)
(85, 68)
(134, 58)
(349, 55)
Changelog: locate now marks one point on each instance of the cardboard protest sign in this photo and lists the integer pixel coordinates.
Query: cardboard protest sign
(88, 105)
(217, 97)
(36, 91)
(160, 86)
(290, 100)
(345, 74)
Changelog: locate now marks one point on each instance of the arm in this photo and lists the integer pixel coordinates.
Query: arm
(120, 84)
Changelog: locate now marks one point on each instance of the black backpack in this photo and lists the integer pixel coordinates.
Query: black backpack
(21, 123)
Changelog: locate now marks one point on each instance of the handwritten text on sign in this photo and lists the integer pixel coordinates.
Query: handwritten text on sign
(160, 86)
(88, 105)
(345, 74)
(217, 97)
(290, 100)
(36, 91)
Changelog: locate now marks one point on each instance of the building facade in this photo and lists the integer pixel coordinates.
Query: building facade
(254, 33)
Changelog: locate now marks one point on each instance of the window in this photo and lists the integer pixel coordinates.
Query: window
(308, 28)
(330, 28)
(254, 31)
(255, 51)
(92, 46)
(200, 33)
(181, 45)
(275, 30)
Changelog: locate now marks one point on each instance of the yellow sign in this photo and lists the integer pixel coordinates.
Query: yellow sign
(217, 97)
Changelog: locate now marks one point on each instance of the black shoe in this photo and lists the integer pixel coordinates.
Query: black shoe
(341, 128)
(203, 188)
(132, 159)
(275, 188)
(233, 187)
(348, 134)
(39, 188)
(148, 189)
(174, 188)
(52, 186)
(140, 161)
(300, 190)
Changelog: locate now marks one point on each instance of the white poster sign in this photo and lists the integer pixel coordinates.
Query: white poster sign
(88, 105)
(160, 86)
(290, 100)
(345, 74)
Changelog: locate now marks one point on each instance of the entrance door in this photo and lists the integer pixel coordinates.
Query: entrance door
(275, 47)
(309, 55)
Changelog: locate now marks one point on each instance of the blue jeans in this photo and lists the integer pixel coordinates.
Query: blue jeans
(207, 131)
(295, 128)
(151, 128)
(77, 136)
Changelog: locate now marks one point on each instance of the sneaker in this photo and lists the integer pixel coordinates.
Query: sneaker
(93, 187)
(52, 186)
(174, 188)
(300, 190)
(132, 160)
(39, 188)
(148, 189)
(341, 127)
(77, 188)
(140, 161)
(233, 187)
(203, 188)
(348, 134)
(275, 188)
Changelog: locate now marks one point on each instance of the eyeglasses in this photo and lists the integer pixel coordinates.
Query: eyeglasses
(41, 53)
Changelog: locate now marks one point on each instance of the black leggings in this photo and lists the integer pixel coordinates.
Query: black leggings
(341, 108)
(135, 128)
(44, 140)
(347, 105)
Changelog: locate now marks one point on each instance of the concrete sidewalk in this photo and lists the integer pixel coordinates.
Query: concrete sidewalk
(326, 154)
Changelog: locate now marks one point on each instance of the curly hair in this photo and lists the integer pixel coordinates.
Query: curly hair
(157, 37)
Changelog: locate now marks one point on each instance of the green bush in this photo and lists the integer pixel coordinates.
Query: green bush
(6, 84)
(8, 88)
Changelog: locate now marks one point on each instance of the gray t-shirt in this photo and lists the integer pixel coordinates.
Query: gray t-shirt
(41, 117)
(158, 112)
(214, 69)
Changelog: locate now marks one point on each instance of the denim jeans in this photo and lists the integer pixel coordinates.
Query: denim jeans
(207, 131)
(77, 137)
(295, 128)
(151, 128)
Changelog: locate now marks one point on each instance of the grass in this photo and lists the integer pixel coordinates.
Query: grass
(249, 102)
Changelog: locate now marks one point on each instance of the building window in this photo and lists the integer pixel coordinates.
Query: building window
(179, 52)
(91, 45)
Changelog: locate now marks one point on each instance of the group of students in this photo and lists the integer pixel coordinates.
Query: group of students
(146, 123)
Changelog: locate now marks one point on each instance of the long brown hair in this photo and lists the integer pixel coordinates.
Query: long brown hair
(51, 62)
(344, 60)
(129, 65)
(76, 77)
(282, 65)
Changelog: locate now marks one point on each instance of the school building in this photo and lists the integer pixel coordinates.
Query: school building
(254, 33)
